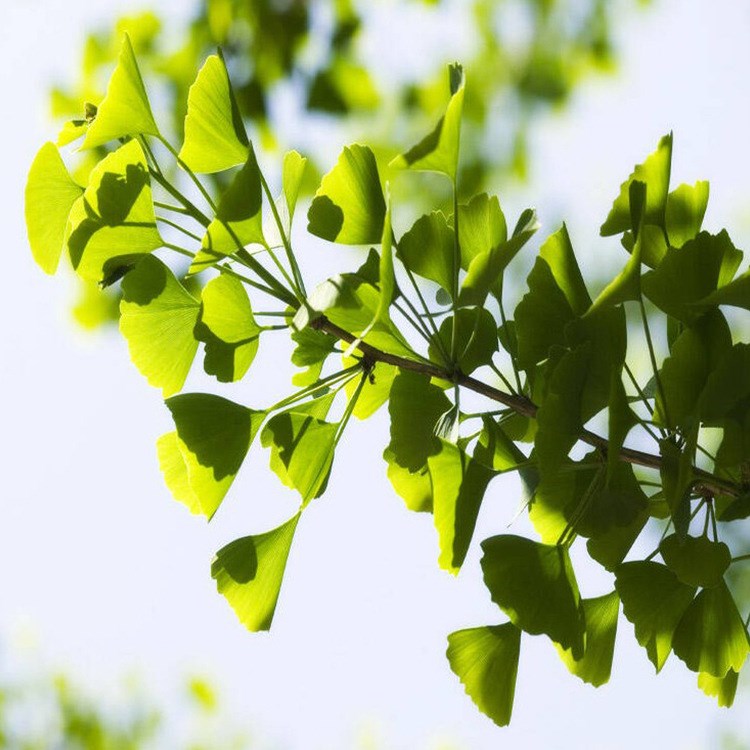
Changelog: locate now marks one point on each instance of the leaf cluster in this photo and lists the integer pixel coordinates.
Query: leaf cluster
(417, 326)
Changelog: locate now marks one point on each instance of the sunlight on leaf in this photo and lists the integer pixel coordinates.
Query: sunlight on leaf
(249, 572)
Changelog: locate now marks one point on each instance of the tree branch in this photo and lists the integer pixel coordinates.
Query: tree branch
(521, 405)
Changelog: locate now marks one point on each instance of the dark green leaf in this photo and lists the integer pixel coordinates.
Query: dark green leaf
(535, 586)
(476, 338)
(428, 249)
(696, 561)
(654, 600)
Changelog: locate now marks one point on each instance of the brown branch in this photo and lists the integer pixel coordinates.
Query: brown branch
(519, 404)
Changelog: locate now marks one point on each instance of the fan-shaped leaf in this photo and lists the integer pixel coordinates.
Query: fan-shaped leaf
(711, 636)
(113, 223)
(721, 688)
(212, 436)
(654, 600)
(486, 661)
(157, 318)
(227, 327)
(686, 207)
(125, 109)
(50, 195)
(428, 250)
(249, 572)
(696, 561)
(349, 206)
(535, 586)
(215, 137)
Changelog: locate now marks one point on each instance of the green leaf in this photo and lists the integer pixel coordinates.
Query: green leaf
(686, 207)
(438, 151)
(721, 688)
(696, 352)
(735, 293)
(696, 561)
(727, 385)
(541, 316)
(239, 218)
(349, 207)
(427, 250)
(414, 487)
(227, 327)
(213, 436)
(157, 318)
(386, 274)
(691, 274)
(711, 636)
(249, 572)
(415, 407)
(292, 172)
(113, 223)
(351, 303)
(311, 351)
(302, 449)
(610, 548)
(653, 244)
(486, 661)
(557, 252)
(215, 137)
(535, 586)
(485, 272)
(621, 419)
(655, 173)
(375, 391)
(654, 600)
(125, 109)
(595, 666)
(71, 131)
(676, 472)
(481, 227)
(458, 486)
(50, 195)
(476, 338)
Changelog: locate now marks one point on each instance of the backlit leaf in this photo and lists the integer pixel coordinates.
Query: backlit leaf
(686, 207)
(711, 636)
(227, 327)
(249, 572)
(438, 151)
(486, 661)
(125, 109)
(721, 688)
(458, 486)
(213, 436)
(215, 137)
(113, 223)
(157, 318)
(292, 172)
(428, 250)
(654, 172)
(481, 227)
(535, 586)
(476, 338)
(601, 630)
(696, 561)
(654, 600)
(349, 207)
(50, 195)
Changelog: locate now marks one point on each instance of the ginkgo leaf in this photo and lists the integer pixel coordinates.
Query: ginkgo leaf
(557, 251)
(722, 688)
(49, 197)
(428, 250)
(113, 223)
(302, 449)
(486, 661)
(711, 636)
(685, 209)
(157, 318)
(292, 172)
(475, 340)
(600, 615)
(438, 151)
(349, 206)
(215, 137)
(227, 327)
(239, 218)
(212, 436)
(375, 391)
(249, 572)
(414, 487)
(535, 586)
(654, 600)
(696, 561)
(458, 486)
(125, 109)
(481, 227)
(655, 173)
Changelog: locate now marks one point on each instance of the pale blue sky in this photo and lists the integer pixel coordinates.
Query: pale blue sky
(109, 572)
